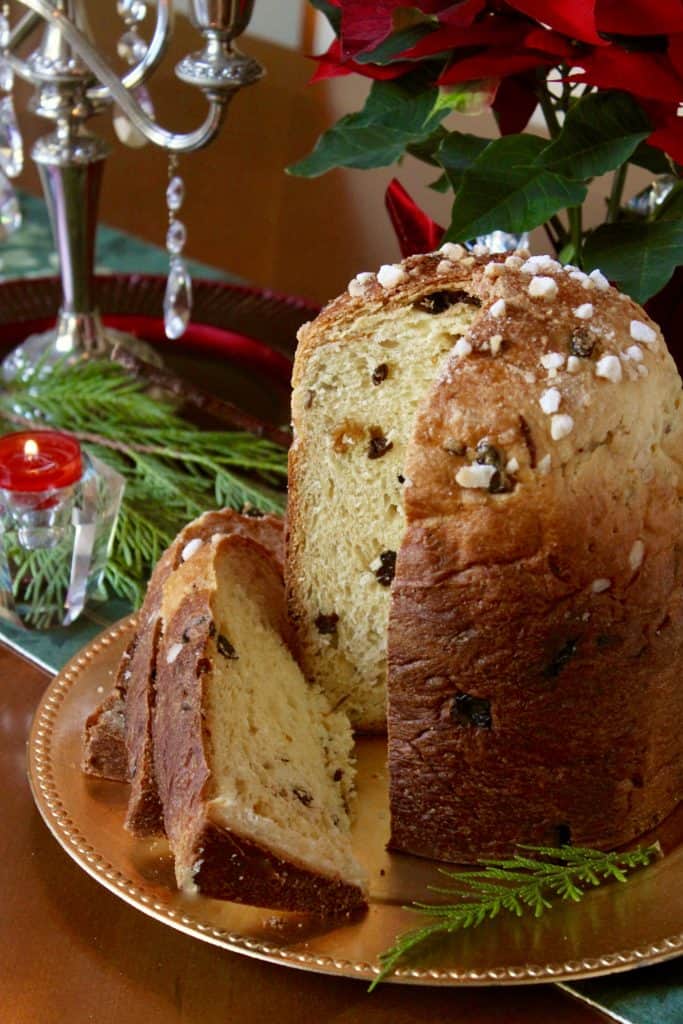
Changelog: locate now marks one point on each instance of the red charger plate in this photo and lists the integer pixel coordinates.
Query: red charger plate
(239, 345)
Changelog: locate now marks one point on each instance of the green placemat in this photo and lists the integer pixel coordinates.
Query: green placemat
(651, 995)
(52, 648)
(30, 251)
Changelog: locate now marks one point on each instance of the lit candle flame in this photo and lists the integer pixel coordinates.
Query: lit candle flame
(30, 447)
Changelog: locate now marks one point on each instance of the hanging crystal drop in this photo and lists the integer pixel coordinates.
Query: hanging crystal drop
(6, 71)
(132, 11)
(131, 47)
(125, 129)
(10, 211)
(175, 193)
(176, 236)
(177, 300)
(11, 144)
(6, 75)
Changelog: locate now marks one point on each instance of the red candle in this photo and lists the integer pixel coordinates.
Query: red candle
(39, 460)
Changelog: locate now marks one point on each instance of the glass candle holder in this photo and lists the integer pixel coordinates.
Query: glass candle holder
(58, 512)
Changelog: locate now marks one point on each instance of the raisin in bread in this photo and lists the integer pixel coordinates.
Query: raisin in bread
(485, 508)
(118, 735)
(254, 768)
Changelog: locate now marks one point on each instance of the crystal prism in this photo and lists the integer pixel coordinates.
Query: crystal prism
(125, 129)
(132, 11)
(645, 203)
(6, 75)
(176, 236)
(10, 211)
(503, 241)
(177, 300)
(11, 145)
(4, 32)
(175, 193)
(131, 47)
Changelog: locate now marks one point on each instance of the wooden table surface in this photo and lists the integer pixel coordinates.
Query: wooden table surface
(71, 952)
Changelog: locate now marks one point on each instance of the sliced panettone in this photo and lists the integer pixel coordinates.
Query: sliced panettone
(104, 739)
(255, 770)
(118, 735)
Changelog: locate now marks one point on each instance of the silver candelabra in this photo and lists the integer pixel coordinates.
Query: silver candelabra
(73, 82)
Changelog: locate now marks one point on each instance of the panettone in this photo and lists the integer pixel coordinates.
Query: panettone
(485, 538)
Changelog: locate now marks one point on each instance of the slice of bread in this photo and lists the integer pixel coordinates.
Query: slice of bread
(144, 817)
(118, 735)
(104, 740)
(255, 770)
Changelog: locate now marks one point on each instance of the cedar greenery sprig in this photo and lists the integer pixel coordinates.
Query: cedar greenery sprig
(174, 470)
(516, 885)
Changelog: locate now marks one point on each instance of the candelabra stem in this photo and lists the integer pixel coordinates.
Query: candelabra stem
(71, 163)
(71, 184)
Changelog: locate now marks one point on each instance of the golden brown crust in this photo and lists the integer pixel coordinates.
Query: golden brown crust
(104, 738)
(582, 742)
(232, 867)
(498, 598)
(144, 814)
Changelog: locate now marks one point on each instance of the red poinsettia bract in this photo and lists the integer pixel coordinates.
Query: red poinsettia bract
(414, 229)
(631, 45)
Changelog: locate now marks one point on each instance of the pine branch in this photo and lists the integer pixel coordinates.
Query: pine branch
(513, 885)
(173, 470)
(226, 412)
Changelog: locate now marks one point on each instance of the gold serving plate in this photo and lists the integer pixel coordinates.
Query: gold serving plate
(614, 928)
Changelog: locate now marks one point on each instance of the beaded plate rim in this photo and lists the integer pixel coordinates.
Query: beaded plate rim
(49, 802)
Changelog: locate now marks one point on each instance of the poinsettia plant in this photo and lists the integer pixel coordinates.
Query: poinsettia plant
(607, 77)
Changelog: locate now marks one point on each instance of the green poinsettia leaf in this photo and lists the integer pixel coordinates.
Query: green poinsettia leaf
(506, 189)
(457, 154)
(639, 257)
(600, 132)
(394, 117)
(427, 149)
(442, 184)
